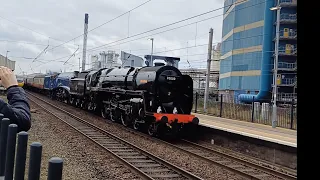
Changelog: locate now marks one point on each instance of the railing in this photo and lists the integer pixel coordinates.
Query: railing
(293, 2)
(287, 97)
(288, 81)
(288, 1)
(254, 112)
(284, 51)
(292, 34)
(284, 65)
(13, 159)
(288, 17)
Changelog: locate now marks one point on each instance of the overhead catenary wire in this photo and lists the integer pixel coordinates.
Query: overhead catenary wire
(155, 28)
(43, 51)
(172, 24)
(183, 20)
(25, 27)
(101, 24)
(55, 60)
(73, 54)
(93, 49)
(170, 50)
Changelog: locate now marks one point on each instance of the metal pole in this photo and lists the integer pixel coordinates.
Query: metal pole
(151, 61)
(7, 58)
(85, 34)
(252, 113)
(291, 114)
(196, 104)
(208, 70)
(275, 87)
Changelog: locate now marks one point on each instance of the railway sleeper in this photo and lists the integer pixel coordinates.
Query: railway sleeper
(165, 175)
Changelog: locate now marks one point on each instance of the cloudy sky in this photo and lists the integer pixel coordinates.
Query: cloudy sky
(28, 27)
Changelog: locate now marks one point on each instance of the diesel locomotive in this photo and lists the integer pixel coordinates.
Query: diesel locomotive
(157, 99)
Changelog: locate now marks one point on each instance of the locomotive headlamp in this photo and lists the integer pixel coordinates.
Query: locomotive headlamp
(175, 111)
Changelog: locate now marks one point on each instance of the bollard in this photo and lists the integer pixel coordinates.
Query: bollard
(1, 117)
(55, 168)
(11, 150)
(35, 161)
(21, 155)
(3, 143)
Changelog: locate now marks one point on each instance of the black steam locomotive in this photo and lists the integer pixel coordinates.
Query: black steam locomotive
(157, 98)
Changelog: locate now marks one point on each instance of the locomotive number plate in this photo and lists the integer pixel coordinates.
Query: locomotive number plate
(171, 78)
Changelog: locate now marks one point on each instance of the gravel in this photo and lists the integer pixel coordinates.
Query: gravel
(82, 158)
(188, 162)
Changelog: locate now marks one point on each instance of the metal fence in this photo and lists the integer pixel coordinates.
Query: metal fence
(222, 106)
(13, 158)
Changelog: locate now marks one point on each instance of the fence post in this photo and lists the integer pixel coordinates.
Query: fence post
(55, 168)
(21, 156)
(292, 108)
(252, 114)
(35, 161)
(221, 100)
(3, 144)
(11, 150)
(195, 109)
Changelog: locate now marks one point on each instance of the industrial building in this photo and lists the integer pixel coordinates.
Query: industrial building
(248, 50)
(7, 62)
(105, 60)
(131, 60)
(199, 75)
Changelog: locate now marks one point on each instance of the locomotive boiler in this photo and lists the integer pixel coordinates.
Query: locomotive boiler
(157, 98)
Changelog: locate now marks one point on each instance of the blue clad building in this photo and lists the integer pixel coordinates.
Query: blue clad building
(248, 49)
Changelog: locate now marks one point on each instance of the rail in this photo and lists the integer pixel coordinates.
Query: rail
(292, 34)
(288, 81)
(288, 2)
(238, 163)
(256, 169)
(140, 161)
(287, 66)
(286, 17)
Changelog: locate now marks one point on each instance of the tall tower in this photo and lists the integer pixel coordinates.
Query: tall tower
(86, 17)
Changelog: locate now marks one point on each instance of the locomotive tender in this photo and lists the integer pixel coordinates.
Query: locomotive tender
(158, 98)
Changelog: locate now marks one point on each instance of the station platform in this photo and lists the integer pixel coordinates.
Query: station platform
(277, 135)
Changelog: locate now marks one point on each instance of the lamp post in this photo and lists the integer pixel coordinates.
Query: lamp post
(275, 72)
(7, 58)
(151, 60)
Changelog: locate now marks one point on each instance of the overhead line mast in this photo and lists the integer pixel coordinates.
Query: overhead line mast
(86, 17)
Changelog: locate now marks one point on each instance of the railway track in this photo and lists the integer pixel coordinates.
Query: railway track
(248, 167)
(145, 164)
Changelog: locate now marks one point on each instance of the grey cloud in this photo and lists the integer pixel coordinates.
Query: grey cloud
(63, 20)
